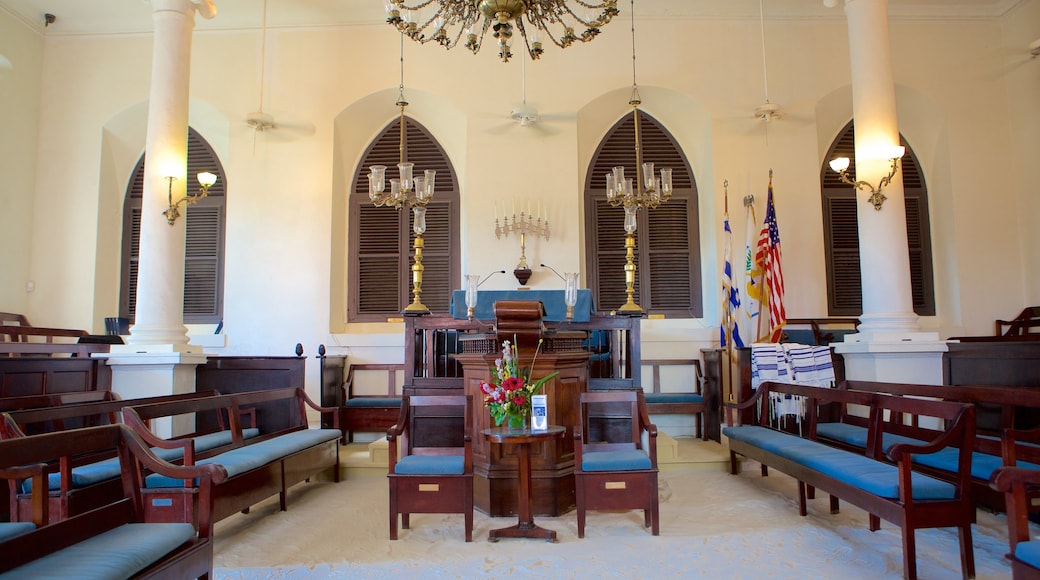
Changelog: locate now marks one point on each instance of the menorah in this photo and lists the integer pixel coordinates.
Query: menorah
(525, 224)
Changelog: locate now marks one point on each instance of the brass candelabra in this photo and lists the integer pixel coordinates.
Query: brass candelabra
(524, 225)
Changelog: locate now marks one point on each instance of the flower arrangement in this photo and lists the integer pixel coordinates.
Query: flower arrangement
(510, 396)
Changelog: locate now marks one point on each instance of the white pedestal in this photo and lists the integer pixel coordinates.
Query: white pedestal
(161, 371)
(893, 358)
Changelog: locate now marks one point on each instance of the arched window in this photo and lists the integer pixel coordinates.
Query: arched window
(204, 242)
(668, 278)
(841, 232)
(381, 238)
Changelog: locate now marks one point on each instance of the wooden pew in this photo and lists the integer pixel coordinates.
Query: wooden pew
(24, 376)
(878, 480)
(137, 549)
(256, 468)
(997, 411)
(70, 492)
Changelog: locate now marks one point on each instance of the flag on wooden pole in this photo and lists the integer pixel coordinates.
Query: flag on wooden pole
(768, 257)
(729, 329)
(752, 274)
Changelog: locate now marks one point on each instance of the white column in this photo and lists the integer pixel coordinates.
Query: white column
(160, 275)
(884, 254)
(889, 345)
(157, 360)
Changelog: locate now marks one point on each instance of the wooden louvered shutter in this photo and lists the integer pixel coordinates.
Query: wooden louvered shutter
(379, 257)
(841, 233)
(204, 239)
(202, 258)
(670, 267)
(843, 275)
(668, 244)
(608, 250)
(380, 279)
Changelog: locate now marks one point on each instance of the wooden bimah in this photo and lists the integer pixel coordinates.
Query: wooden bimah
(495, 465)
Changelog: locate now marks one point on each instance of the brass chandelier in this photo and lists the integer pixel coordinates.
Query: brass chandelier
(647, 191)
(453, 22)
(406, 192)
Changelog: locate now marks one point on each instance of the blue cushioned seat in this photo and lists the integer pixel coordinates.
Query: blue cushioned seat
(97, 472)
(11, 529)
(626, 460)
(117, 553)
(880, 479)
(373, 402)
(255, 455)
(430, 465)
(1029, 552)
(673, 398)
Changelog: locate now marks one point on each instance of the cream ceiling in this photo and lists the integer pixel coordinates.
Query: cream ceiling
(74, 17)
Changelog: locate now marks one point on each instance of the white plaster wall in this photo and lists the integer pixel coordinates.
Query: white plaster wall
(21, 56)
(967, 116)
(1022, 71)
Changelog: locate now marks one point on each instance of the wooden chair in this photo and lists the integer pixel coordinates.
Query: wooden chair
(431, 459)
(615, 457)
(687, 402)
(1021, 325)
(1025, 553)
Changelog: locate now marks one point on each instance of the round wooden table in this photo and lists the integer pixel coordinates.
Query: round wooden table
(523, 438)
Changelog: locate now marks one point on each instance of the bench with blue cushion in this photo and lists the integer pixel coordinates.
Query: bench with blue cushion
(876, 477)
(998, 410)
(112, 540)
(1014, 483)
(92, 480)
(255, 467)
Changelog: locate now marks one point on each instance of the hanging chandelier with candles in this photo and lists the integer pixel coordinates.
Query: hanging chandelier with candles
(646, 191)
(406, 192)
(453, 22)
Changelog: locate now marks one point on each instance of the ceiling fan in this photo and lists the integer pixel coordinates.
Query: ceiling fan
(258, 119)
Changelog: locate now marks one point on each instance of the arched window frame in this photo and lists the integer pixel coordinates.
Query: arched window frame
(203, 246)
(668, 259)
(841, 231)
(379, 280)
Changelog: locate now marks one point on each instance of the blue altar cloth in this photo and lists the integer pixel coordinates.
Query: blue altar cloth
(555, 307)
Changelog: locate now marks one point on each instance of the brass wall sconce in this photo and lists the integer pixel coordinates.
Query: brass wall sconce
(840, 165)
(206, 181)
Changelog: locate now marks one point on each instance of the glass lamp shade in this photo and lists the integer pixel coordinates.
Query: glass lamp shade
(376, 179)
(666, 181)
(630, 220)
(427, 191)
(648, 175)
(839, 164)
(570, 292)
(570, 289)
(611, 186)
(206, 179)
(419, 225)
(405, 171)
(472, 281)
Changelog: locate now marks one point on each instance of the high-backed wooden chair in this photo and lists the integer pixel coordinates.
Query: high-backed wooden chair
(615, 457)
(431, 459)
(1025, 552)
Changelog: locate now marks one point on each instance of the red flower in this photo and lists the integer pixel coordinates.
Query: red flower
(519, 401)
(485, 388)
(513, 384)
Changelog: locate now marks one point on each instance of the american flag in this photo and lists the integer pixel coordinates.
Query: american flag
(767, 257)
(729, 330)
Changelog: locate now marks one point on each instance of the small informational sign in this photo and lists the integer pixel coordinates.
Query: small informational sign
(539, 413)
